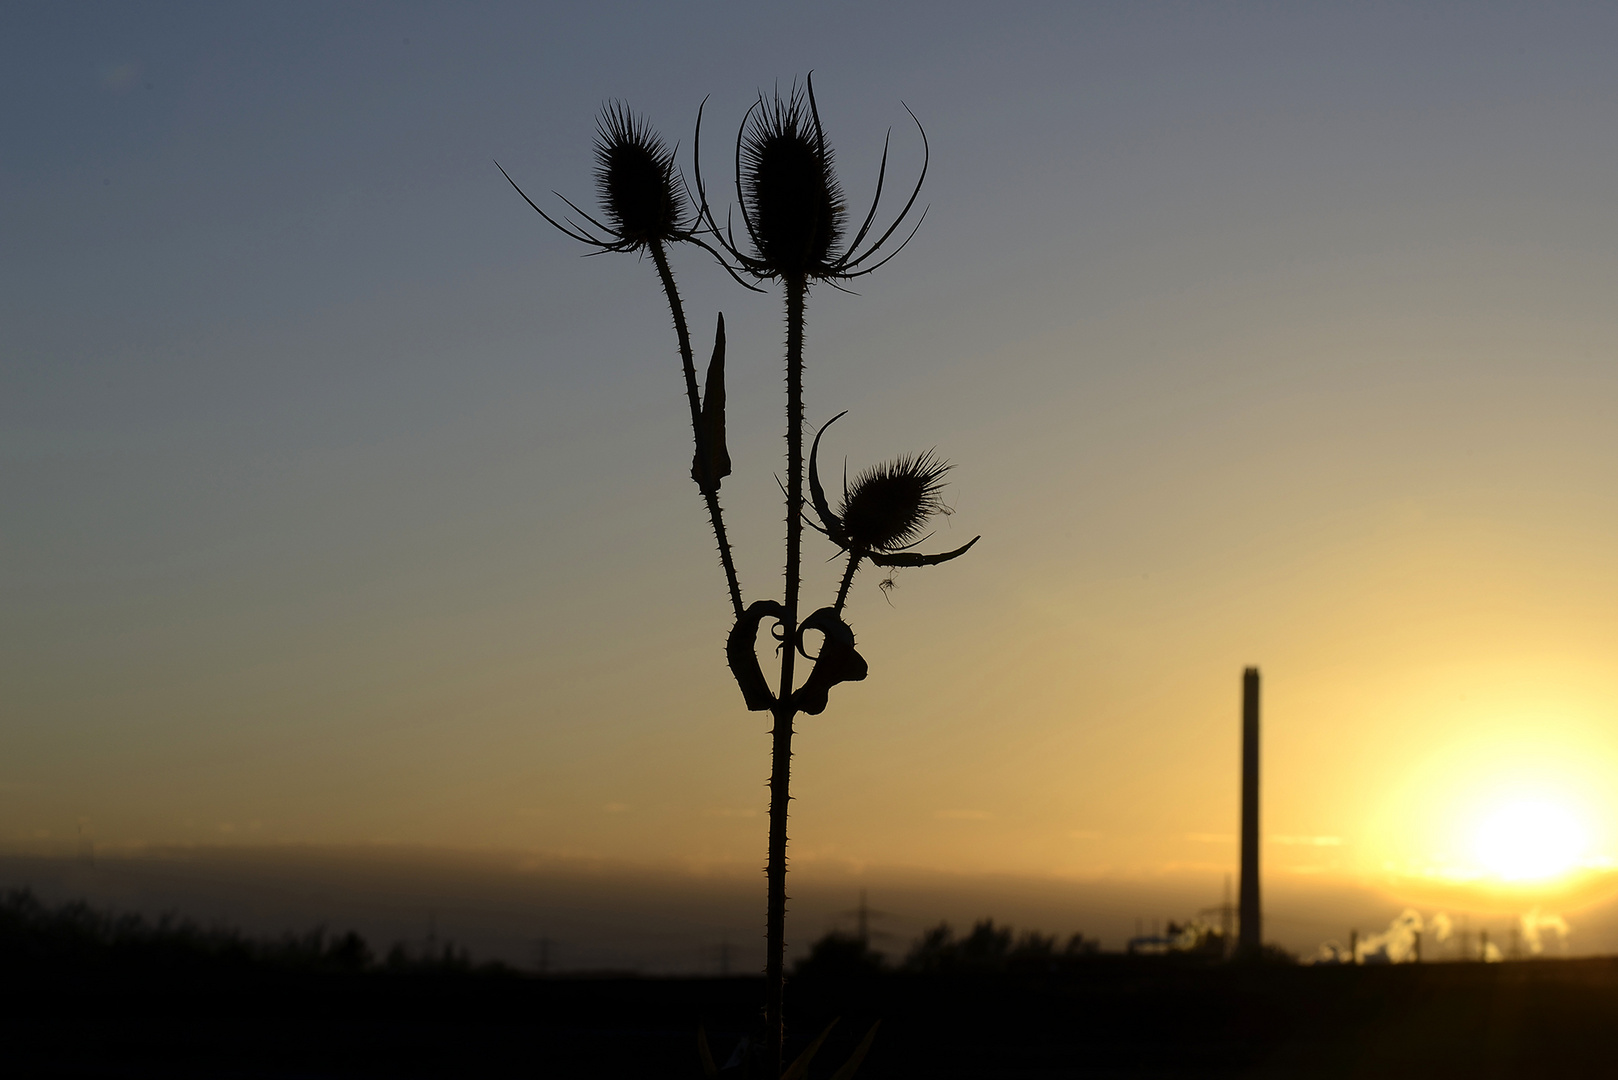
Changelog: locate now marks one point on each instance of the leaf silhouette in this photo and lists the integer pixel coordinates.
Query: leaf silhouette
(711, 462)
(744, 661)
(838, 661)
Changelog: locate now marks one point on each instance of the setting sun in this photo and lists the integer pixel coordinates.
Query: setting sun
(1529, 840)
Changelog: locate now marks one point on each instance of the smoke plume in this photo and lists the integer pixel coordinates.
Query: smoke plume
(1534, 926)
(1402, 942)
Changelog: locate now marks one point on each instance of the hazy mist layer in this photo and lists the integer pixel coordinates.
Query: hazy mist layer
(594, 915)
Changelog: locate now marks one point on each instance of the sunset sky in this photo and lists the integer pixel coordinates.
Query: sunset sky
(342, 502)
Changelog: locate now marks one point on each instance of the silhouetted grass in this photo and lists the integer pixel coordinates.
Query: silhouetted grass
(987, 949)
(77, 937)
(128, 996)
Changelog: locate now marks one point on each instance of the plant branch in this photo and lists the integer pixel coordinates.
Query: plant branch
(848, 579)
(710, 492)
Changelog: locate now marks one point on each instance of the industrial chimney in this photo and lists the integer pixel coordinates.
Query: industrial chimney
(1250, 932)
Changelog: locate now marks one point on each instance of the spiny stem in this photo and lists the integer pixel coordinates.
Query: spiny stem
(781, 754)
(709, 495)
(848, 579)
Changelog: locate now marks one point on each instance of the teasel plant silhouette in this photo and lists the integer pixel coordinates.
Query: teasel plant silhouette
(795, 232)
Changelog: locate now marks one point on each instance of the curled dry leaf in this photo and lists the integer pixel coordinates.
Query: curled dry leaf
(744, 661)
(838, 661)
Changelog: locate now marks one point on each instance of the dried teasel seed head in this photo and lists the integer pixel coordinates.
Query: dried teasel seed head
(887, 507)
(793, 204)
(642, 196)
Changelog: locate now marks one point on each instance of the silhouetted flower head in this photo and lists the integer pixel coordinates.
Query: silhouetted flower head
(642, 197)
(791, 203)
(885, 509)
(887, 506)
(790, 198)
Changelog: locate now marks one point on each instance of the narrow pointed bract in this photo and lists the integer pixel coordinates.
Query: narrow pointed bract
(830, 523)
(912, 558)
(711, 462)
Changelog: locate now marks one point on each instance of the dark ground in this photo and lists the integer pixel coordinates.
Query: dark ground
(1111, 1017)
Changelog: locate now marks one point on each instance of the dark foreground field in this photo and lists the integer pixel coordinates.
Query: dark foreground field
(1112, 1017)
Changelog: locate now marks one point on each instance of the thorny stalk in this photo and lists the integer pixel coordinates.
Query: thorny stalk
(781, 753)
(848, 579)
(710, 489)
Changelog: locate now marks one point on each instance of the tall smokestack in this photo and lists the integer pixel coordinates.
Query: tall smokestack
(1250, 934)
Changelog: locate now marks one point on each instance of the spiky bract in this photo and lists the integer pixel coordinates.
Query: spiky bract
(887, 506)
(791, 201)
(883, 511)
(642, 197)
